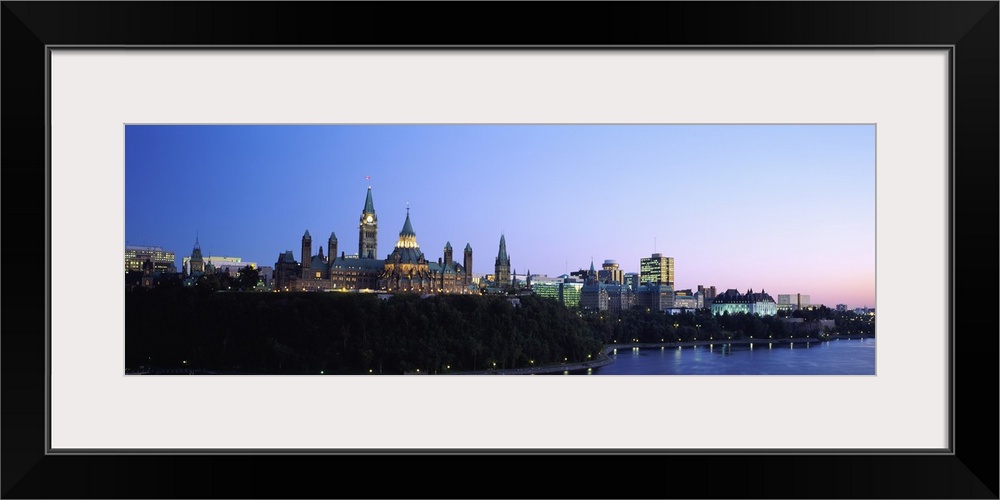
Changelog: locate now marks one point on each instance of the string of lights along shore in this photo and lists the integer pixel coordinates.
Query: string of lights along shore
(731, 218)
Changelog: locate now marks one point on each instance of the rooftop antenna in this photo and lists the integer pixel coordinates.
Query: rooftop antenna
(654, 244)
(369, 179)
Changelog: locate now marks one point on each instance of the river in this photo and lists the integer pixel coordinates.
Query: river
(836, 357)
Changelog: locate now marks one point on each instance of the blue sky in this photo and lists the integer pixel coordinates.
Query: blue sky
(787, 208)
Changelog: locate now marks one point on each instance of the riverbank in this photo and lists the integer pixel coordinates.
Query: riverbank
(605, 357)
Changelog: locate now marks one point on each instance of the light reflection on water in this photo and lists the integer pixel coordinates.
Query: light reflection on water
(837, 357)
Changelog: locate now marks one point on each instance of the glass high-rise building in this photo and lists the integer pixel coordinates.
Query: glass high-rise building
(570, 293)
(135, 256)
(657, 269)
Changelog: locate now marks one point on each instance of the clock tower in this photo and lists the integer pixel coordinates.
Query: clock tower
(368, 230)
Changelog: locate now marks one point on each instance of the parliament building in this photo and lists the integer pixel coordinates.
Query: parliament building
(405, 269)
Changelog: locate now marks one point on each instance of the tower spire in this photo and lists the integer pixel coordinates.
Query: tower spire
(368, 228)
(407, 237)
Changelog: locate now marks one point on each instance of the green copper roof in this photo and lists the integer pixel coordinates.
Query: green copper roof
(333, 236)
(447, 245)
(502, 256)
(407, 227)
(406, 255)
(369, 206)
(307, 235)
(468, 247)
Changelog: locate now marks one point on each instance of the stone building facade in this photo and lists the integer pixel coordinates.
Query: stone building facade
(405, 269)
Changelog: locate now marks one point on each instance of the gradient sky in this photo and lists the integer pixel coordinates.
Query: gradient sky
(786, 208)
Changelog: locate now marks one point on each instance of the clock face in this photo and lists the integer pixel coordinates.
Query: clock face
(369, 219)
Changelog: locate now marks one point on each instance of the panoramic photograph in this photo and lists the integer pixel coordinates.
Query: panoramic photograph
(521, 249)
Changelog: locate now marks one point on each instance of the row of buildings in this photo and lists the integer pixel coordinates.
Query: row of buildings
(154, 263)
(407, 269)
(651, 289)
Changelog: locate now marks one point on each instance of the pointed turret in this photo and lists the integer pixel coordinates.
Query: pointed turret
(407, 237)
(407, 227)
(306, 253)
(502, 257)
(502, 266)
(369, 204)
(467, 264)
(447, 254)
(331, 245)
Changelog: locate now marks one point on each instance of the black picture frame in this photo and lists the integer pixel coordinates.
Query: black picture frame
(970, 28)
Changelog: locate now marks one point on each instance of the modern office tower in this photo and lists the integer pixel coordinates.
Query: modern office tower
(569, 292)
(688, 299)
(655, 297)
(792, 302)
(610, 273)
(632, 281)
(803, 301)
(657, 269)
(732, 301)
(543, 286)
(707, 295)
(502, 266)
(136, 257)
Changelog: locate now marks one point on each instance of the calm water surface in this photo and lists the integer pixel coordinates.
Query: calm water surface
(837, 357)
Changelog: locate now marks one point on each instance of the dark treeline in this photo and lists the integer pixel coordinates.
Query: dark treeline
(639, 325)
(175, 328)
(336, 333)
(642, 326)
